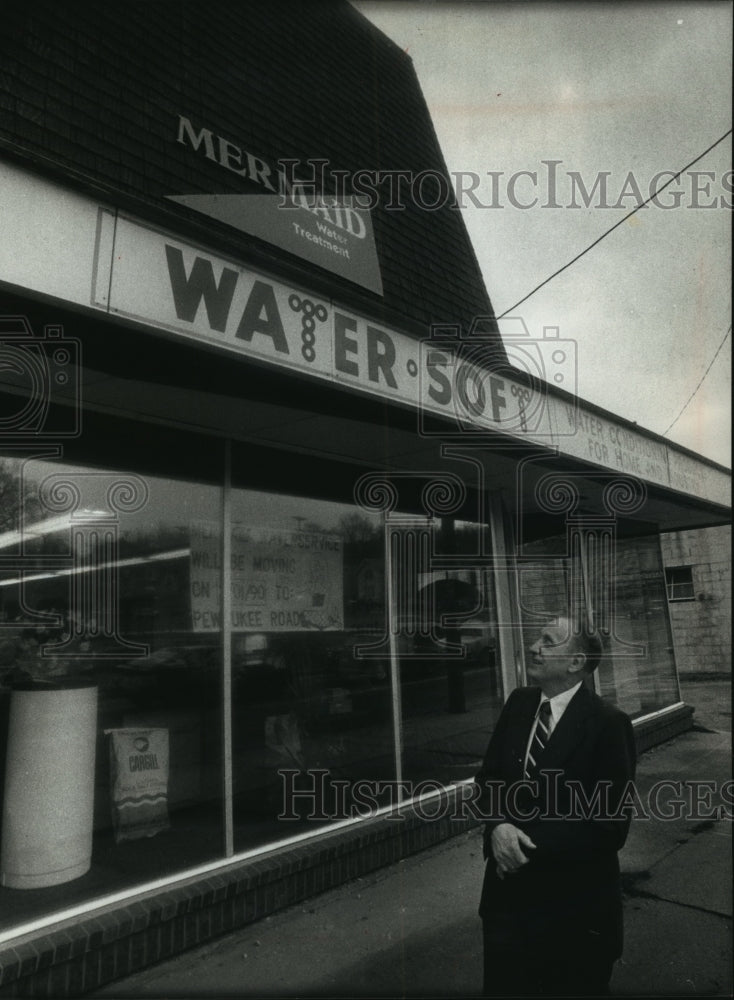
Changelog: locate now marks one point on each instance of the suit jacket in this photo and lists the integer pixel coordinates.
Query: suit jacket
(571, 881)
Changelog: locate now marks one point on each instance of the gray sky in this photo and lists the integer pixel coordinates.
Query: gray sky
(630, 89)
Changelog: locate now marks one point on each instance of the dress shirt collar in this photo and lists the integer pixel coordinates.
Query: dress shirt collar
(559, 702)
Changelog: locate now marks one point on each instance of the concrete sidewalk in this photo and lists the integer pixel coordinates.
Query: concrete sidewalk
(412, 929)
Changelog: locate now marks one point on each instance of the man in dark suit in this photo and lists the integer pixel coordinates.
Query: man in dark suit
(552, 784)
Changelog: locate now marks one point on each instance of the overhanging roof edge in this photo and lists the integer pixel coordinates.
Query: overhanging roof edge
(554, 390)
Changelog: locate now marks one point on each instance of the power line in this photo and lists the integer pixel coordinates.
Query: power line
(700, 383)
(616, 225)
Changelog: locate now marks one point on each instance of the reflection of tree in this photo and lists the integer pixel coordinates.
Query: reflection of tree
(311, 527)
(11, 504)
(21, 507)
(154, 539)
(8, 499)
(364, 571)
(356, 529)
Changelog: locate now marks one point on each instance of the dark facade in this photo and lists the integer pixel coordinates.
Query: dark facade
(96, 96)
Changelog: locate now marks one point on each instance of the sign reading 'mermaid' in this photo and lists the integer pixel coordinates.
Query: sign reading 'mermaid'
(332, 232)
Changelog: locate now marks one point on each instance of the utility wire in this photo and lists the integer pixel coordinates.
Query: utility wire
(616, 225)
(700, 383)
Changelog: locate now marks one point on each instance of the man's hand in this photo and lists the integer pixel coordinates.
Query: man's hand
(507, 848)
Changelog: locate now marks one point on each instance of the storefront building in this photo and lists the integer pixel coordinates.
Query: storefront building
(279, 508)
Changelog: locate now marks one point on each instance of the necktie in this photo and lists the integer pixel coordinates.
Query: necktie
(540, 738)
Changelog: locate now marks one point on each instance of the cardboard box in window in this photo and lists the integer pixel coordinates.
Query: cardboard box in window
(184, 736)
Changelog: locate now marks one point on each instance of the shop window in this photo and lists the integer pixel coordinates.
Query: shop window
(447, 651)
(311, 711)
(306, 709)
(315, 738)
(550, 588)
(637, 671)
(97, 584)
(679, 583)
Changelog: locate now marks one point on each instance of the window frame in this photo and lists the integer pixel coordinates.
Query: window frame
(671, 584)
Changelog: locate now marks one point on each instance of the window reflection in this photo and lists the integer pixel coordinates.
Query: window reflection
(100, 588)
(448, 653)
(308, 589)
(637, 671)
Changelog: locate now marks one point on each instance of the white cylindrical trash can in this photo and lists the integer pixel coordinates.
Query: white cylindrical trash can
(49, 784)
